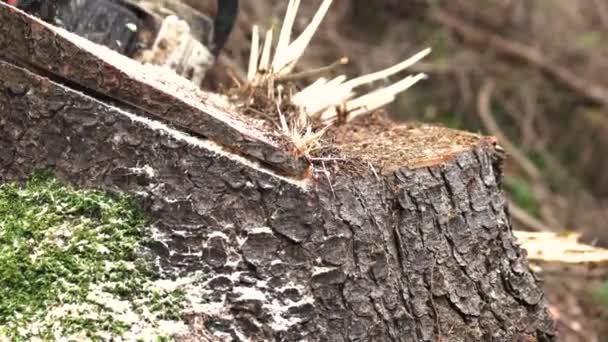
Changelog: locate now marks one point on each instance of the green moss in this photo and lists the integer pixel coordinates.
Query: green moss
(67, 255)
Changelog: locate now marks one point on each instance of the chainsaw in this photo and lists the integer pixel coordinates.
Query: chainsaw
(161, 32)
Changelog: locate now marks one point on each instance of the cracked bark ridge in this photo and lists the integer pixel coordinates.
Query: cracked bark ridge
(28, 41)
(424, 254)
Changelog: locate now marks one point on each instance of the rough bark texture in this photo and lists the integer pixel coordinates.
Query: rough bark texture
(422, 254)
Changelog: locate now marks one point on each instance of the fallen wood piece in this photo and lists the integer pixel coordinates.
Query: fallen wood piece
(555, 247)
(159, 92)
(574, 275)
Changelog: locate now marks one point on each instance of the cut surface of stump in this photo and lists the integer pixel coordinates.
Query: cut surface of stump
(384, 144)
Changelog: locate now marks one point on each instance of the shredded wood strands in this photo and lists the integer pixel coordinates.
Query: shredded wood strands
(286, 53)
(327, 100)
(323, 101)
(253, 57)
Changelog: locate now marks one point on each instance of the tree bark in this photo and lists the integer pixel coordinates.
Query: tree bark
(421, 250)
(416, 254)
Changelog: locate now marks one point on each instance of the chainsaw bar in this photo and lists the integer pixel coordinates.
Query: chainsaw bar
(102, 73)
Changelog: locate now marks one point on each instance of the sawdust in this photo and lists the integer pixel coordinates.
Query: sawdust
(388, 146)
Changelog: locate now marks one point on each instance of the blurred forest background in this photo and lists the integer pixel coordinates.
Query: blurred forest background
(534, 73)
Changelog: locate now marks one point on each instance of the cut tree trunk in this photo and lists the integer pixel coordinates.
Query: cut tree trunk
(408, 238)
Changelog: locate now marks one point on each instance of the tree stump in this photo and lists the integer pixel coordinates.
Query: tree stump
(407, 238)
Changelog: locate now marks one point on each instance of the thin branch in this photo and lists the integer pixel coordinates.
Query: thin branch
(528, 220)
(483, 109)
(585, 87)
(235, 68)
(314, 72)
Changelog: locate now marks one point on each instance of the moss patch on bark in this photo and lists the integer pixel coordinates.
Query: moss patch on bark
(70, 267)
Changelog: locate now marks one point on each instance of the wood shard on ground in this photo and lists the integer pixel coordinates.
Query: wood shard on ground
(553, 247)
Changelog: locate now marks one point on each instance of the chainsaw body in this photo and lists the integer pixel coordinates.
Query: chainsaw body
(161, 32)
